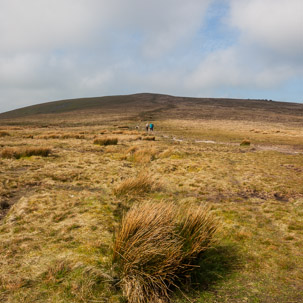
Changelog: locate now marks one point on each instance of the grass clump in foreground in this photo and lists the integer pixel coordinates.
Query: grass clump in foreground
(106, 141)
(20, 152)
(157, 245)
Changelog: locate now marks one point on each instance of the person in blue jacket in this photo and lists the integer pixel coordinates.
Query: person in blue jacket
(151, 127)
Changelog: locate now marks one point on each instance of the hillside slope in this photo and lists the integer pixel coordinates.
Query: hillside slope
(155, 106)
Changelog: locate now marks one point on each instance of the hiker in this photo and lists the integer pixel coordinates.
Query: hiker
(151, 127)
(147, 127)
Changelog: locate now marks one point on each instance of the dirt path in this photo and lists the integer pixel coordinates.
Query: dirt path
(256, 147)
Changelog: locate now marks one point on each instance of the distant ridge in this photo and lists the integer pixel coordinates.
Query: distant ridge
(148, 105)
(67, 105)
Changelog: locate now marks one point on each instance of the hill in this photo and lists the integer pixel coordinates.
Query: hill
(155, 106)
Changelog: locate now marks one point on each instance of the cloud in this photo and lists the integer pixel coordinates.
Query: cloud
(273, 24)
(46, 25)
(56, 49)
(64, 48)
(267, 53)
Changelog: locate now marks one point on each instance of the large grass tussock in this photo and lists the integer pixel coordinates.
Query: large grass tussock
(157, 245)
(20, 152)
(106, 141)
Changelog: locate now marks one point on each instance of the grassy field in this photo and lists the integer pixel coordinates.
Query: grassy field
(60, 211)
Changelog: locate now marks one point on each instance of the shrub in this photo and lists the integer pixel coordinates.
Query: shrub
(106, 141)
(19, 152)
(245, 143)
(156, 245)
(143, 183)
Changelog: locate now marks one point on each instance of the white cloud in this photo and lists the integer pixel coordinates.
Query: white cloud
(267, 54)
(273, 24)
(46, 25)
(40, 25)
(55, 49)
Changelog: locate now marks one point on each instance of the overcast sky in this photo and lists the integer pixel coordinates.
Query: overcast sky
(59, 49)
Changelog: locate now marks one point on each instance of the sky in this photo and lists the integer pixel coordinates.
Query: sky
(61, 49)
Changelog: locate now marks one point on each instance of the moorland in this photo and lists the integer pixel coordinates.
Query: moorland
(72, 170)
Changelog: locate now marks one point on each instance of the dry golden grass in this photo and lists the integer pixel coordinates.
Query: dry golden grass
(143, 183)
(167, 153)
(245, 142)
(62, 136)
(4, 134)
(149, 138)
(58, 214)
(142, 155)
(156, 245)
(134, 138)
(106, 141)
(132, 150)
(19, 152)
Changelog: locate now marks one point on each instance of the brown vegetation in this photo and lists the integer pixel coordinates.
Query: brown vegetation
(62, 136)
(4, 134)
(20, 152)
(245, 142)
(58, 214)
(149, 138)
(156, 245)
(106, 141)
(142, 155)
(143, 183)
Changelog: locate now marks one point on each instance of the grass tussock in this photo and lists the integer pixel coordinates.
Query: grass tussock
(245, 142)
(106, 141)
(62, 136)
(157, 245)
(104, 131)
(136, 138)
(118, 132)
(143, 155)
(21, 152)
(166, 153)
(132, 132)
(149, 138)
(4, 134)
(132, 150)
(143, 183)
